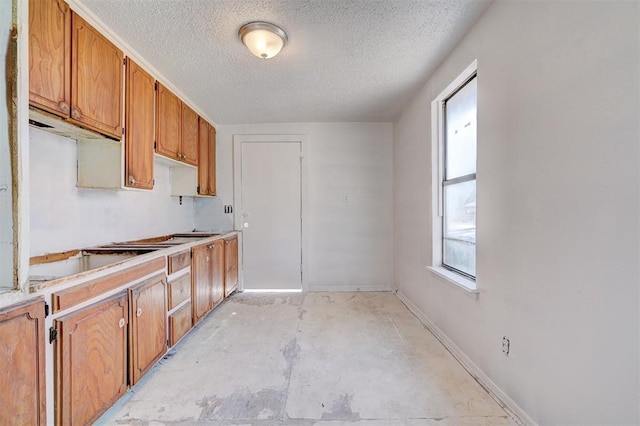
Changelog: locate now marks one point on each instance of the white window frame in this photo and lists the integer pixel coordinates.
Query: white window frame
(449, 276)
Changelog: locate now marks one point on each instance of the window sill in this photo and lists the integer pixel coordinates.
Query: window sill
(456, 281)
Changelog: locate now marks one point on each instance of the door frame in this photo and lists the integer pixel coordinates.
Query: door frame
(303, 140)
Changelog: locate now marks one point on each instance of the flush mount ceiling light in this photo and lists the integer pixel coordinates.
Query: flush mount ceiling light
(263, 39)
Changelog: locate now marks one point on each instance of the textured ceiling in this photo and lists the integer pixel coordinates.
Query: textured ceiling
(347, 60)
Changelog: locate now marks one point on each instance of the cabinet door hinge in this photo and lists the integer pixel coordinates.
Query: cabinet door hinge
(124, 61)
(155, 145)
(46, 309)
(123, 131)
(153, 182)
(191, 255)
(53, 334)
(155, 86)
(198, 189)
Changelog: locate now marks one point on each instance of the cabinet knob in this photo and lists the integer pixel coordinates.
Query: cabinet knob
(139, 312)
(132, 180)
(210, 246)
(121, 323)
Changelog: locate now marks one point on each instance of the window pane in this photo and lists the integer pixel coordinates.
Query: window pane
(461, 256)
(460, 226)
(461, 131)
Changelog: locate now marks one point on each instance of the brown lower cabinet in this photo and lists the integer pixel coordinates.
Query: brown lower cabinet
(230, 265)
(91, 360)
(22, 380)
(148, 325)
(102, 348)
(207, 278)
(180, 323)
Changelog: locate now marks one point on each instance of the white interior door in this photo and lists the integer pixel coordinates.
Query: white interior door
(271, 215)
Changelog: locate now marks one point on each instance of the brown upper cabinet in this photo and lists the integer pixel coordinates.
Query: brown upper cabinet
(207, 154)
(176, 128)
(49, 56)
(96, 80)
(168, 123)
(140, 129)
(189, 135)
(74, 71)
(212, 161)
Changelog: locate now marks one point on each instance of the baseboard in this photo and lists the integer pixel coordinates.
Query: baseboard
(508, 404)
(316, 288)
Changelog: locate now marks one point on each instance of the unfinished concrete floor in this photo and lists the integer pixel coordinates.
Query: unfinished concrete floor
(309, 359)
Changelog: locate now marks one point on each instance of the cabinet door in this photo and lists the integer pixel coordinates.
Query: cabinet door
(201, 281)
(139, 127)
(22, 378)
(211, 174)
(168, 123)
(148, 326)
(49, 56)
(189, 135)
(217, 272)
(179, 324)
(231, 265)
(96, 80)
(91, 360)
(203, 157)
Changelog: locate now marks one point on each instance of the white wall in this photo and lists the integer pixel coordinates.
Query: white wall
(6, 219)
(558, 214)
(350, 245)
(66, 217)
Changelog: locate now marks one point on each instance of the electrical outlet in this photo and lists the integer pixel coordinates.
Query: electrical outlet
(228, 209)
(506, 343)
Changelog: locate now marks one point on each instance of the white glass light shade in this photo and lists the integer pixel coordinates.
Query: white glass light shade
(263, 39)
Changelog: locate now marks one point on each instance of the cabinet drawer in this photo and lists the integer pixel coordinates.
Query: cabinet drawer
(179, 261)
(179, 290)
(179, 324)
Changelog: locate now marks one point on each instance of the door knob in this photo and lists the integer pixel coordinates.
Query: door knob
(246, 224)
